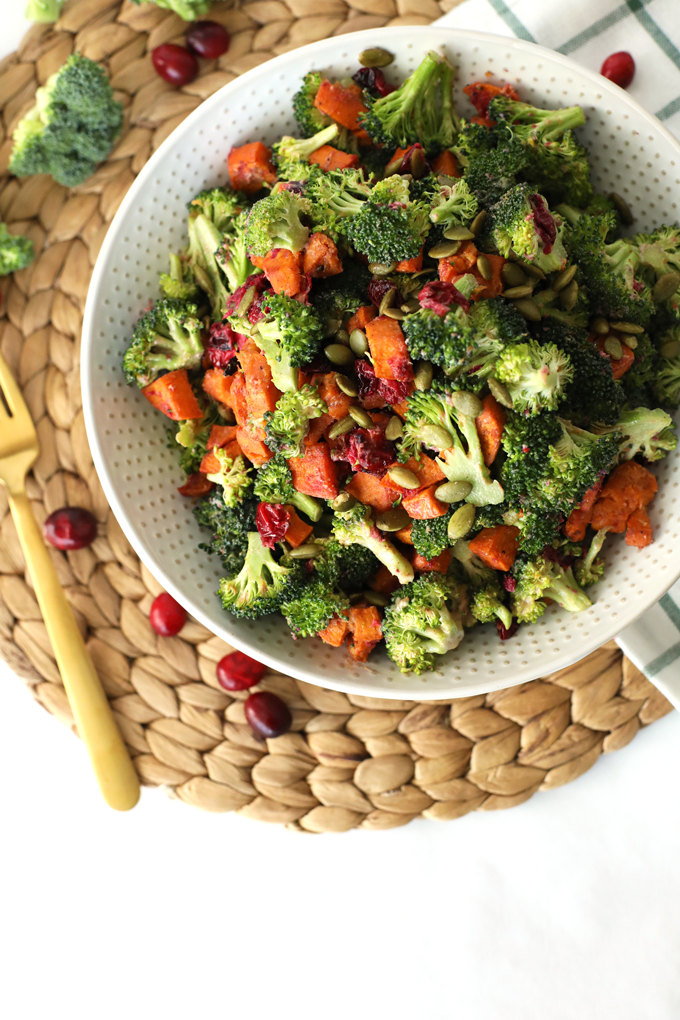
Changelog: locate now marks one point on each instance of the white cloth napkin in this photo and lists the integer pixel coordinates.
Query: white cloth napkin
(588, 31)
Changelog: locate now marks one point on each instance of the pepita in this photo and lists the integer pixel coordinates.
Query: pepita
(528, 309)
(453, 492)
(422, 377)
(395, 428)
(512, 275)
(393, 520)
(344, 501)
(395, 313)
(484, 267)
(443, 250)
(613, 348)
(599, 326)
(622, 208)
(387, 300)
(665, 287)
(534, 271)
(526, 290)
(376, 598)
(632, 342)
(670, 349)
(436, 437)
(342, 427)
(360, 416)
(458, 233)
(403, 477)
(569, 296)
(478, 223)
(305, 552)
(358, 342)
(461, 522)
(393, 166)
(381, 268)
(500, 392)
(331, 326)
(375, 57)
(564, 278)
(338, 354)
(346, 385)
(418, 164)
(626, 327)
(342, 336)
(466, 403)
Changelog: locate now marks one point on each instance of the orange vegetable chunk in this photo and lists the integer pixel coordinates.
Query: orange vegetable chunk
(254, 448)
(196, 485)
(172, 394)
(581, 516)
(389, 352)
(315, 474)
(341, 102)
(330, 158)
(337, 402)
(410, 265)
(497, 547)
(361, 317)
(489, 425)
(439, 563)
(218, 385)
(297, 531)
(320, 257)
(629, 487)
(372, 491)
(384, 581)
(283, 269)
(447, 164)
(250, 167)
(335, 632)
(639, 529)
(424, 505)
(365, 625)
(261, 393)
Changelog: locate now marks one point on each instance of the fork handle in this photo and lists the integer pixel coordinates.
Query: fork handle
(110, 760)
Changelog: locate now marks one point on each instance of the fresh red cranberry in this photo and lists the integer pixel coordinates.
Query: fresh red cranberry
(373, 78)
(207, 39)
(619, 68)
(166, 616)
(175, 64)
(267, 715)
(70, 528)
(271, 521)
(505, 633)
(237, 671)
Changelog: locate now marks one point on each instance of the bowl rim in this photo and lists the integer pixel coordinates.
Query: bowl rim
(136, 539)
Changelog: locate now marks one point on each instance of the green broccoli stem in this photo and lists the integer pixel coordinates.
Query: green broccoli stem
(204, 240)
(461, 466)
(554, 125)
(307, 504)
(565, 591)
(284, 375)
(302, 148)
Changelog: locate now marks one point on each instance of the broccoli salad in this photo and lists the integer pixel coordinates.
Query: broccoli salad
(416, 373)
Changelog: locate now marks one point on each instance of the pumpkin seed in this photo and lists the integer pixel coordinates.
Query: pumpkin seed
(622, 208)
(443, 250)
(331, 326)
(466, 403)
(305, 552)
(599, 326)
(418, 164)
(344, 501)
(395, 428)
(526, 290)
(528, 309)
(395, 313)
(338, 354)
(403, 477)
(436, 437)
(500, 392)
(512, 275)
(457, 243)
(453, 492)
(458, 233)
(377, 598)
(375, 57)
(393, 166)
(356, 597)
(484, 267)
(342, 336)
(381, 268)
(478, 223)
(358, 342)
(422, 377)
(461, 522)
(632, 342)
(245, 302)
(569, 296)
(626, 327)
(360, 416)
(564, 278)
(534, 271)
(613, 347)
(393, 520)
(387, 300)
(411, 306)
(346, 385)
(670, 349)
(342, 427)
(665, 287)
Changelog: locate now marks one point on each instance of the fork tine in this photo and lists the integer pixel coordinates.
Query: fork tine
(13, 395)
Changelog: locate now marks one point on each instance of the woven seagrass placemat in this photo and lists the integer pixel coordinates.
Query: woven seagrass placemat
(349, 762)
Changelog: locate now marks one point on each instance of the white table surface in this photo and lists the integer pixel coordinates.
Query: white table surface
(564, 908)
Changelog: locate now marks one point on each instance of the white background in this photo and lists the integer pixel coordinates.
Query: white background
(563, 909)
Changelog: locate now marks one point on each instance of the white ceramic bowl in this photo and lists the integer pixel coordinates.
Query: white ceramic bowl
(631, 153)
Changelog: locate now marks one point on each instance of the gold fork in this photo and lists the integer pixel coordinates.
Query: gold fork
(111, 762)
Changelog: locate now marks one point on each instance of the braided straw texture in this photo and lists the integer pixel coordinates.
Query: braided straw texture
(348, 762)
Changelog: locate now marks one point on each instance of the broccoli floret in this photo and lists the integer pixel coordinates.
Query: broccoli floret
(667, 383)
(589, 569)
(179, 283)
(338, 295)
(232, 253)
(535, 376)
(188, 10)
(274, 222)
(289, 335)
(355, 527)
(538, 527)
(16, 251)
(609, 271)
(229, 527)
(220, 205)
(72, 126)
(469, 567)
(648, 432)
(287, 426)
(274, 484)
(336, 197)
(661, 252)
(390, 227)
(487, 606)
(424, 620)
(555, 160)
(205, 239)
(575, 463)
(447, 341)
(313, 609)
(497, 320)
(593, 396)
(262, 584)
(421, 110)
(472, 141)
(347, 568)
(430, 537)
(490, 174)
(43, 11)
(310, 120)
(453, 204)
(233, 476)
(192, 436)
(290, 156)
(166, 338)
(639, 382)
(522, 222)
(542, 578)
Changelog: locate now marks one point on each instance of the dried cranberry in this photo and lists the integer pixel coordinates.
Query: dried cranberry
(237, 672)
(271, 521)
(509, 582)
(295, 187)
(373, 78)
(554, 555)
(392, 391)
(406, 165)
(377, 289)
(166, 616)
(506, 632)
(223, 344)
(366, 450)
(258, 280)
(174, 64)
(438, 296)
(208, 39)
(267, 715)
(70, 528)
(619, 68)
(366, 377)
(544, 223)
